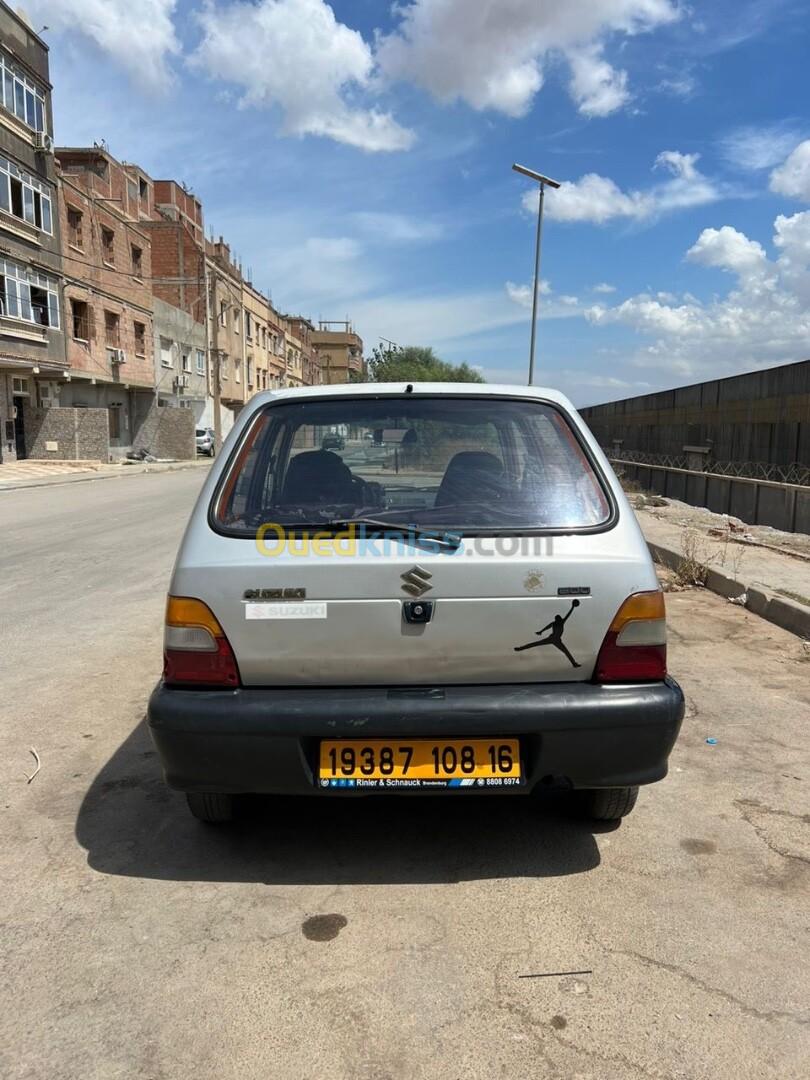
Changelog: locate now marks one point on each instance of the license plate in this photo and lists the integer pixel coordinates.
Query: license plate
(419, 763)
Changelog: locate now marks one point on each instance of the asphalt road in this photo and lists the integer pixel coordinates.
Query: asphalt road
(376, 940)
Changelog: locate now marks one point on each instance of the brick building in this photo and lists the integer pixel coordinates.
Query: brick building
(32, 342)
(176, 230)
(107, 262)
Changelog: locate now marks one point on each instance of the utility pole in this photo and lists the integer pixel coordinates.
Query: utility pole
(214, 364)
(542, 181)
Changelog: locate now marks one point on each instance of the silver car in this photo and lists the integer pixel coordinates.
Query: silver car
(472, 612)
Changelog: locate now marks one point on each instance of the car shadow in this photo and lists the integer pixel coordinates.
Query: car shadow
(132, 825)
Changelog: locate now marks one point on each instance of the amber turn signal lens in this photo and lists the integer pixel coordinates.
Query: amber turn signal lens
(186, 611)
(639, 606)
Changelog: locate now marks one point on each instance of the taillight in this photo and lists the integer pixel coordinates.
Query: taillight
(195, 649)
(635, 646)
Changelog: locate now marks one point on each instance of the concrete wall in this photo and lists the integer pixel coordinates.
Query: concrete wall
(66, 434)
(163, 431)
(187, 337)
(756, 502)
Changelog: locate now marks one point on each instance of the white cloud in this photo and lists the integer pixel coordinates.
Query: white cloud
(763, 319)
(728, 249)
(792, 177)
(683, 85)
(599, 199)
(596, 87)
(397, 228)
(604, 287)
(491, 54)
(758, 148)
(295, 55)
(139, 36)
(333, 248)
(522, 294)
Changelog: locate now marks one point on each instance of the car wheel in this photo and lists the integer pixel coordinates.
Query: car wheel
(608, 804)
(211, 807)
(211, 452)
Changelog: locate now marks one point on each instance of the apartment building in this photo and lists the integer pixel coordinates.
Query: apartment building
(108, 293)
(227, 338)
(176, 229)
(263, 364)
(302, 332)
(32, 341)
(340, 352)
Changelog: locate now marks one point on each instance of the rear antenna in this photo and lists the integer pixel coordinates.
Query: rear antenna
(409, 388)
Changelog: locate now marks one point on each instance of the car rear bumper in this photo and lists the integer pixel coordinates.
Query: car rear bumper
(264, 740)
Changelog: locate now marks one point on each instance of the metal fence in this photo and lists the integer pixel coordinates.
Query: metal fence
(795, 473)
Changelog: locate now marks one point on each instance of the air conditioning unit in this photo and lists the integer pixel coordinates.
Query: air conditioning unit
(43, 143)
(118, 356)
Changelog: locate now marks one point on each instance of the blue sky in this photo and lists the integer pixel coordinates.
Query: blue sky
(357, 157)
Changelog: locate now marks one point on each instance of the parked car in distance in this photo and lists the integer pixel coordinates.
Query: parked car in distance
(484, 620)
(333, 442)
(205, 441)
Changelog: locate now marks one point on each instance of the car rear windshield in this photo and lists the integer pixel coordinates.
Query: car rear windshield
(452, 463)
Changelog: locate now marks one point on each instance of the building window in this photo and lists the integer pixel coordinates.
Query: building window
(80, 318)
(115, 421)
(166, 357)
(186, 361)
(223, 313)
(137, 261)
(28, 295)
(25, 196)
(236, 314)
(237, 370)
(108, 245)
(200, 362)
(21, 96)
(112, 329)
(143, 189)
(140, 338)
(250, 372)
(248, 326)
(74, 223)
(223, 368)
(19, 387)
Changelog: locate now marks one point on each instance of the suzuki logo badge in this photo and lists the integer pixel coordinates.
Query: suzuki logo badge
(416, 581)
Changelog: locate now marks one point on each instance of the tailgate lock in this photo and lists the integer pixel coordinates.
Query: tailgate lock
(417, 611)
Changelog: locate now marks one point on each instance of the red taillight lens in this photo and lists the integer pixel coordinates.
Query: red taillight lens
(196, 651)
(634, 649)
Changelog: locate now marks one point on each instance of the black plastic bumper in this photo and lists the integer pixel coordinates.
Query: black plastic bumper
(263, 740)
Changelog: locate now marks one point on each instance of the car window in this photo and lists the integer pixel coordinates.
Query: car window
(454, 463)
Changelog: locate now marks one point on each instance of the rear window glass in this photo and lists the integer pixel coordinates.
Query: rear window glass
(460, 464)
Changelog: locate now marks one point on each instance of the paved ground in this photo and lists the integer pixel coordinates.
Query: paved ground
(137, 944)
(32, 473)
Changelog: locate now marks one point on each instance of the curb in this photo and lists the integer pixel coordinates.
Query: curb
(789, 614)
(87, 477)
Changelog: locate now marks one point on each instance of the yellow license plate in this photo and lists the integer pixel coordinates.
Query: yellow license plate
(419, 763)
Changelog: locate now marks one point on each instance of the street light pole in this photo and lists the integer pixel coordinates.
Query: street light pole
(542, 181)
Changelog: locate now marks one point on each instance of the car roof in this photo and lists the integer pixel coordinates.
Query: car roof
(372, 389)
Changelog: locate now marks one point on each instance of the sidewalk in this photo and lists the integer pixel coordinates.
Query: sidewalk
(770, 569)
(28, 474)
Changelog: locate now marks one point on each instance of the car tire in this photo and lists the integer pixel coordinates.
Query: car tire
(608, 804)
(210, 807)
